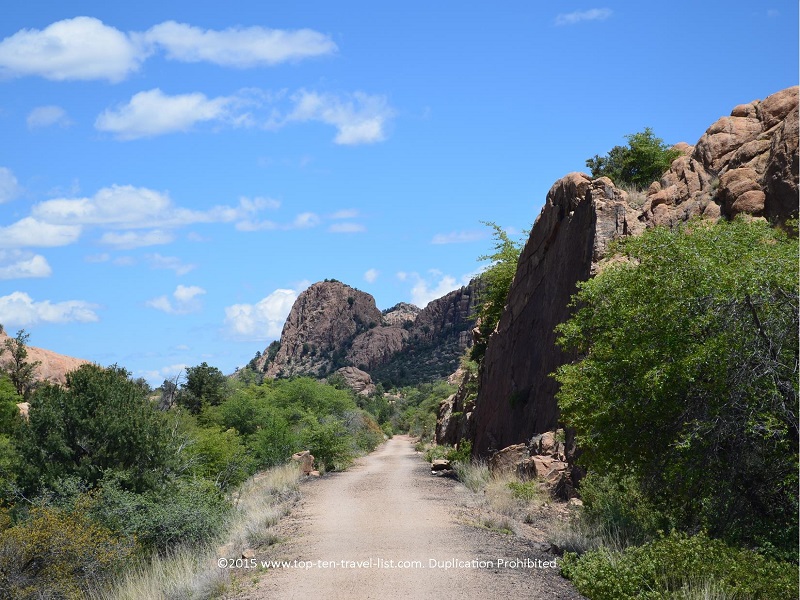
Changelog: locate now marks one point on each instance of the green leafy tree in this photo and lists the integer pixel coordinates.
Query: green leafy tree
(204, 386)
(688, 376)
(99, 421)
(640, 163)
(20, 371)
(496, 280)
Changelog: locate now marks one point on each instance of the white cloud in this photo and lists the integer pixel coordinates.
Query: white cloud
(98, 258)
(346, 228)
(19, 309)
(9, 186)
(30, 232)
(185, 300)
(458, 237)
(306, 220)
(261, 321)
(401, 275)
(424, 291)
(172, 263)
(47, 116)
(153, 113)
(129, 207)
(129, 240)
(594, 14)
(359, 118)
(348, 213)
(239, 47)
(371, 275)
(82, 48)
(16, 264)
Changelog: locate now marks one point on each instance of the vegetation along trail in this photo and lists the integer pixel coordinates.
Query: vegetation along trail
(388, 510)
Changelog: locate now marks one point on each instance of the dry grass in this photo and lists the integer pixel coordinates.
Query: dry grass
(507, 500)
(193, 574)
(186, 574)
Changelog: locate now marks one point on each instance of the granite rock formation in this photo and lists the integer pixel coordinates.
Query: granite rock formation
(516, 398)
(744, 163)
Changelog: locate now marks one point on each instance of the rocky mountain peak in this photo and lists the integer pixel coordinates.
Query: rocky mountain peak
(320, 328)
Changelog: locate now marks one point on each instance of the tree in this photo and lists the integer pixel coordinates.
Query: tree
(638, 164)
(687, 376)
(204, 386)
(21, 372)
(99, 422)
(496, 280)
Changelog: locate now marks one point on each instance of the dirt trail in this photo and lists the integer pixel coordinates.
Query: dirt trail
(389, 508)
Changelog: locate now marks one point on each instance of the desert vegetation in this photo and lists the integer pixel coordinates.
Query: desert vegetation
(111, 489)
(684, 401)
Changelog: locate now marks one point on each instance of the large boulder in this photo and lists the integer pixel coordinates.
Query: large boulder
(744, 163)
(516, 400)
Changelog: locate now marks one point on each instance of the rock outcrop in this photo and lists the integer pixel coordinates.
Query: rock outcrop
(332, 325)
(743, 163)
(53, 367)
(401, 314)
(516, 396)
(357, 380)
(436, 339)
(320, 328)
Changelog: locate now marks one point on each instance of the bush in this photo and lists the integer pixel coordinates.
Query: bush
(274, 443)
(330, 443)
(664, 567)
(56, 553)
(638, 164)
(100, 421)
(190, 512)
(688, 377)
(614, 503)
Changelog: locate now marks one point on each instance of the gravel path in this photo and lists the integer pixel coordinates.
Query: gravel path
(387, 529)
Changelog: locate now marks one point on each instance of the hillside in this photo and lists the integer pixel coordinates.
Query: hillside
(332, 325)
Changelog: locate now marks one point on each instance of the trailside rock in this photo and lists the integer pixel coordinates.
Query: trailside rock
(744, 163)
(305, 460)
(516, 397)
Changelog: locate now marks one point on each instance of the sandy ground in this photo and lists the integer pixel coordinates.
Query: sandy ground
(386, 528)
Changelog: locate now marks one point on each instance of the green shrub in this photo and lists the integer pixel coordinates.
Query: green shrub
(662, 568)
(525, 491)
(614, 502)
(688, 377)
(220, 457)
(56, 553)
(274, 443)
(640, 163)
(330, 443)
(387, 430)
(463, 453)
(190, 512)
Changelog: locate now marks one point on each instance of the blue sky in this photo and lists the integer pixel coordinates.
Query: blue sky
(175, 173)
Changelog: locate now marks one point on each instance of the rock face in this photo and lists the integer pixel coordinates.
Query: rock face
(516, 398)
(436, 339)
(321, 327)
(357, 380)
(53, 367)
(744, 163)
(332, 325)
(401, 314)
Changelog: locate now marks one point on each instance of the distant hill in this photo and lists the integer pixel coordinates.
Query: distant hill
(53, 368)
(332, 325)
